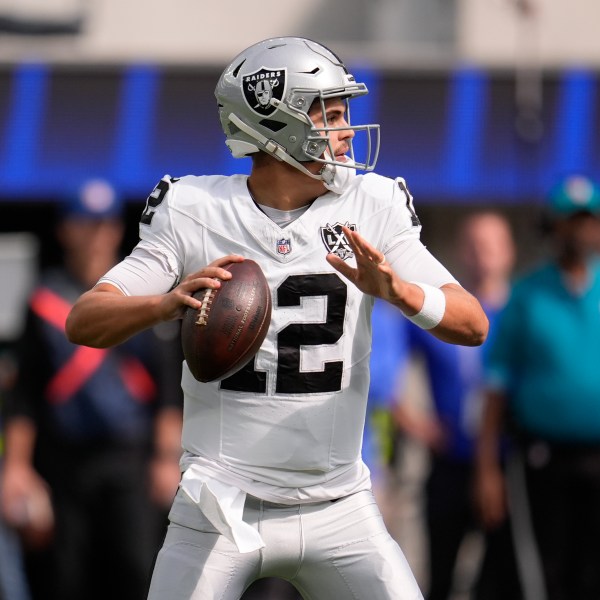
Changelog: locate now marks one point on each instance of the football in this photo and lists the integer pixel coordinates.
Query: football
(224, 335)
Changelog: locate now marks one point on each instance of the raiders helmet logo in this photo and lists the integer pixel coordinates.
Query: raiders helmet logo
(261, 87)
(335, 239)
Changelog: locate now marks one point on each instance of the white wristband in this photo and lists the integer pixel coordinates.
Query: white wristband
(433, 309)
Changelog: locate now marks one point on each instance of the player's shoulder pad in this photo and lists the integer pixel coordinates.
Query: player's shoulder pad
(156, 197)
(376, 186)
(183, 193)
(401, 183)
(389, 191)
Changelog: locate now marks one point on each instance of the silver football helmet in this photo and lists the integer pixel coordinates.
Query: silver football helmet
(264, 97)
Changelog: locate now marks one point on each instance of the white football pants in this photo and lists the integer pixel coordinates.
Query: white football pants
(328, 550)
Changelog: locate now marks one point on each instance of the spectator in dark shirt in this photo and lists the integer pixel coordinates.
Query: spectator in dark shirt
(92, 436)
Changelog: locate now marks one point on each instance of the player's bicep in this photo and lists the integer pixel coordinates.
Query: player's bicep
(144, 272)
(412, 261)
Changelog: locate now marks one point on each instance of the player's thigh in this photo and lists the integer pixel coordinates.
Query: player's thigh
(350, 554)
(200, 565)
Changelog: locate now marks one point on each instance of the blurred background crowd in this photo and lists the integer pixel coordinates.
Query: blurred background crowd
(485, 461)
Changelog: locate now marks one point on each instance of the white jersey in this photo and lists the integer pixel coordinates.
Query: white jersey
(288, 427)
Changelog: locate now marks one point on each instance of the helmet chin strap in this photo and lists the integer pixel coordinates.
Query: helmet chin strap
(326, 174)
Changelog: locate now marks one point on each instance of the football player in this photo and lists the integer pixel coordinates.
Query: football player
(273, 483)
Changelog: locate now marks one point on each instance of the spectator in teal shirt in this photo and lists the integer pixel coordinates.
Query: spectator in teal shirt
(544, 380)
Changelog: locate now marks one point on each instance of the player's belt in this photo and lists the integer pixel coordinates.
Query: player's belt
(85, 361)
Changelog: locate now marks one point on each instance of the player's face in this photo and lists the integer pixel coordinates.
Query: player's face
(335, 116)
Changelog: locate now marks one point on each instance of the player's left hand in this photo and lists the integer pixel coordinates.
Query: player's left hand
(464, 321)
(372, 275)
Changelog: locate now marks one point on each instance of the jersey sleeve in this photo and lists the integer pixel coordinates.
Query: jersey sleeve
(155, 264)
(402, 247)
(412, 261)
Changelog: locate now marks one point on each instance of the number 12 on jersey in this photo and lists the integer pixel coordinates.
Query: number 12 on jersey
(290, 379)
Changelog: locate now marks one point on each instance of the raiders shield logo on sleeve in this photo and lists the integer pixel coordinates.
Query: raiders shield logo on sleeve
(263, 85)
(335, 239)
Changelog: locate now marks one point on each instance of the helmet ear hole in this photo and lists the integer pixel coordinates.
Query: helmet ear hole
(232, 128)
(314, 148)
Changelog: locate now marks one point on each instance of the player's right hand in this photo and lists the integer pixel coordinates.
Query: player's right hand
(104, 316)
(174, 303)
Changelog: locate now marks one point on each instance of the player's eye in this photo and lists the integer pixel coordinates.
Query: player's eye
(334, 117)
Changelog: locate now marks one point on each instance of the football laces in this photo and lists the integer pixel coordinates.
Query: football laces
(207, 300)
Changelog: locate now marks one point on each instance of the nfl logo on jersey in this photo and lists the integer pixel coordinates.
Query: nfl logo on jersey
(284, 246)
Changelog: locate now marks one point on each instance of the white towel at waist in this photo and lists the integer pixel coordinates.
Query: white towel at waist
(223, 506)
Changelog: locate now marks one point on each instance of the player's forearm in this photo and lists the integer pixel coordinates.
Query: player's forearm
(463, 321)
(102, 319)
